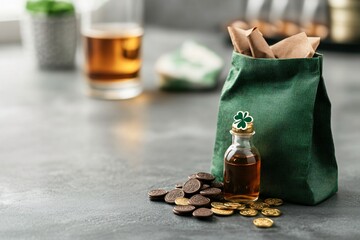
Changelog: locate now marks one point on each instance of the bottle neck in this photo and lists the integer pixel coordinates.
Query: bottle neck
(243, 140)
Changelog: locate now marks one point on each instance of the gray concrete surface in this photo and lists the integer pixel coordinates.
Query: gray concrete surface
(72, 167)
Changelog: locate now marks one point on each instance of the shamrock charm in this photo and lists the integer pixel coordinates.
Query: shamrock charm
(241, 119)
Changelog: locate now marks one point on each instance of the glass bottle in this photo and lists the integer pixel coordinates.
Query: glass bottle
(242, 166)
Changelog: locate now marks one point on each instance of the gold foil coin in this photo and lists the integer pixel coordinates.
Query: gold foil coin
(218, 205)
(249, 212)
(241, 207)
(234, 206)
(258, 205)
(263, 222)
(222, 212)
(271, 212)
(274, 201)
(182, 201)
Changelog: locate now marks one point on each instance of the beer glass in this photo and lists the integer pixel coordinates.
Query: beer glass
(112, 34)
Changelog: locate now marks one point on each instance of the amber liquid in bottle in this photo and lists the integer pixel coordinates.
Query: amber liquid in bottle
(241, 171)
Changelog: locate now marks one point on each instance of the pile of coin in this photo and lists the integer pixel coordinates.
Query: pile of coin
(202, 197)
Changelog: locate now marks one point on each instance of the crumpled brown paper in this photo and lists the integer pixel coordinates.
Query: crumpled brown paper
(296, 46)
(258, 45)
(252, 43)
(239, 40)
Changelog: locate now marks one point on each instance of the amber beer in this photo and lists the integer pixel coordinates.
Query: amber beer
(113, 54)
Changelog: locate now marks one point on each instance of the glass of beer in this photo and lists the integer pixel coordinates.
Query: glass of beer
(112, 35)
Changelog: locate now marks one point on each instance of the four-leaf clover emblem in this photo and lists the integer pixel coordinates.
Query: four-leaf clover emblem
(241, 119)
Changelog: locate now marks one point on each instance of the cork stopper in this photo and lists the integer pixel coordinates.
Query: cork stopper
(248, 130)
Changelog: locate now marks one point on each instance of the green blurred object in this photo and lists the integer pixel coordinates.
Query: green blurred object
(291, 109)
(50, 7)
(191, 67)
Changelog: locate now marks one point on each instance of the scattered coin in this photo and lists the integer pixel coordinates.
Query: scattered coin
(218, 205)
(204, 186)
(222, 212)
(210, 192)
(249, 212)
(192, 186)
(199, 200)
(218, 198)
(183, 210)
(217, 185)
(182, 201)
(192, 176)
(202, 213)
(241, 207)
(174, 194)
(157, 194)
(258, 205)
(234, 206)
(203, 176)
(271, 212)
(263, 222)
(274, 201)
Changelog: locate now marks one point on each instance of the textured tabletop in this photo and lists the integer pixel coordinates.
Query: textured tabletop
(72, 167)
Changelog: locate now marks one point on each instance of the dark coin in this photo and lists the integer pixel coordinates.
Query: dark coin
(210, 192)
(202, 213)
(179, 185)
(157, 194)
(203, 176)
(183, 210)
(199, 200)
(174, 194)
(192, 176)
(192, 186)
(217, 185)
(204, 186)
(218, 198)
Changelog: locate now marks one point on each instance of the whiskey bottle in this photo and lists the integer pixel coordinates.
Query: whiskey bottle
(242, 162)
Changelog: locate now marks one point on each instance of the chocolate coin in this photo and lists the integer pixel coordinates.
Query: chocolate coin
(210, 192)
(157, 194)
(199, 200)
(202, 213)
(203, 176)
(183, 210)
(192, 176)
(192, 186)
(174, 194)
(217, 185)
(204, 186)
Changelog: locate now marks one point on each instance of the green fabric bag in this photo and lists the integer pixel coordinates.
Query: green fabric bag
(291, 110)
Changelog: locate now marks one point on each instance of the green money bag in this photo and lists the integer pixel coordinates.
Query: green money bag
(291, 109)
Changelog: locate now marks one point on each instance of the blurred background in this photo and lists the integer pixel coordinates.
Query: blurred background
(336, 21)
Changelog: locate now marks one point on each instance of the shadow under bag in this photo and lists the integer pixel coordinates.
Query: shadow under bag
(292, 112)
